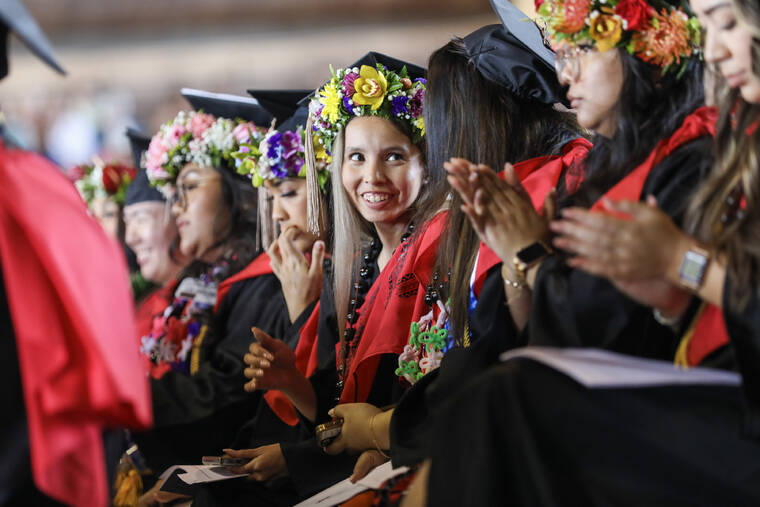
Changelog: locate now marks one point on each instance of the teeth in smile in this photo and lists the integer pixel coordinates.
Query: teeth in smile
(371, 197)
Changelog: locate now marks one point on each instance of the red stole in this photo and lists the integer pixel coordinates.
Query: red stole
(394, 301)
(710, 329)
(538, 176)
(73, 318)
(152, 305)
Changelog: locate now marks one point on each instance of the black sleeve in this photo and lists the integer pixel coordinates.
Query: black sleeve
(574, 309)
(744, 331)
(311, 470)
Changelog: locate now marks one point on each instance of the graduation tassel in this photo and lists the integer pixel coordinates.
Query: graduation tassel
(313, 192)
(265, 233)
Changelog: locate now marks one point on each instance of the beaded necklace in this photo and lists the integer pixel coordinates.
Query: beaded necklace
(360, 289)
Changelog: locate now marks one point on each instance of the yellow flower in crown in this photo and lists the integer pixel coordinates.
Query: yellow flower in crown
(331, 99)
(369, 88)
(320, 152)
(606, 28)
(420, 124)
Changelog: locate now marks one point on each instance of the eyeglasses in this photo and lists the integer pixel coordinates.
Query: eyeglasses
(182, 190)
(570, 58)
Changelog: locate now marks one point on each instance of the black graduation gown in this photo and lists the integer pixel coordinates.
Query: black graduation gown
(526, 434)
(572, 308)
(492, 331)
(310, 469)
(201, 414)
(543, 439)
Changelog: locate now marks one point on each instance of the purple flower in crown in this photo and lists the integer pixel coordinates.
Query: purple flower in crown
(293, 165)
(415, 103)
(348, 104)
(348, 84)
(291, 143)
(274, 150)
(398, 105)
(421, 80)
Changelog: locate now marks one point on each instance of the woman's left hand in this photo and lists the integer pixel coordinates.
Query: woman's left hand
(501, 211)
(368, 461)
(267, 462)
(356, 433)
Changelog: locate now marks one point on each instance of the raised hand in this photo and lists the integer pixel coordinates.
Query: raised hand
(271, 363)
(301, 279)
(500, 211)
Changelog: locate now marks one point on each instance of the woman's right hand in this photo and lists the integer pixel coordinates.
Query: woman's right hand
(271, 363)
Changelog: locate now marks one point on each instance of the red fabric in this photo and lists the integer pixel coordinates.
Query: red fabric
(698, 124)
(258, 266)
(393, 302)
(710, 333)
(538, 176)
(73, 318)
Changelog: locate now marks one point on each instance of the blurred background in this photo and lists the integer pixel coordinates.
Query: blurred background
(127, 60)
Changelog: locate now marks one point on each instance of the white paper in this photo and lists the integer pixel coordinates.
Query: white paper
(345, 490)
(601, 368)
(196, 474)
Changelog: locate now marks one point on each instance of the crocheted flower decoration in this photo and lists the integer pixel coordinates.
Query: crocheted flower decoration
(365, 91)
(193, 137)
(652, 30)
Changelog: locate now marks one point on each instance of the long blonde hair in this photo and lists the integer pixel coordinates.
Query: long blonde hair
(737, 165)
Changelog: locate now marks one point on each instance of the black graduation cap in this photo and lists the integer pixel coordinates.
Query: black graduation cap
(515, 56)
(228, 106)
(140, 190)
(282, 104)
(372, 59)
(16, 18)
(504, 60)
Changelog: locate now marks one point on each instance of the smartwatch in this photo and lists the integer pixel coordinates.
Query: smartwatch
(693, 267)
(530, 256)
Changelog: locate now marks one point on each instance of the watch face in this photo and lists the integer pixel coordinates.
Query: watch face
(532, 253)
(692, 268)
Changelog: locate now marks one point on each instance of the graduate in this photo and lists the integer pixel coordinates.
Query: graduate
(198, 402)
(151, 233)
(70, 370)
(510, 89)
(374, 139)
(615, 93)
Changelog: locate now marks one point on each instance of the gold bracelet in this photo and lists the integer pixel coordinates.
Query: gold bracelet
(374, 439)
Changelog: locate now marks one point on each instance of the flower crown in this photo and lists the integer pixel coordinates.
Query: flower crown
(366, 91)
(278, 155)
(653, 31)
(194, 137)
(100, 180)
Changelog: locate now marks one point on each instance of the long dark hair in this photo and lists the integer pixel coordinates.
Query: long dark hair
(737, 146)
(470, 117)
(651, 107)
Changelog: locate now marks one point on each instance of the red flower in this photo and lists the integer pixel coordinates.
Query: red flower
(538, 3)
(114, 176)
(635, 12)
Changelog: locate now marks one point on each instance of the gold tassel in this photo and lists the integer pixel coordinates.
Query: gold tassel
(313, 192)
(128, 485)
(195, 355)
(682, 359)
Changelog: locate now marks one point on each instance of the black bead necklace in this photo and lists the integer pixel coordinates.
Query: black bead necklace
(360, 289)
